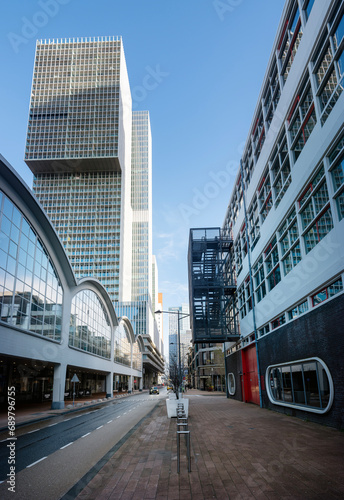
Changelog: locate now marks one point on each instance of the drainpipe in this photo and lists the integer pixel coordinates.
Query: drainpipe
(251, 283)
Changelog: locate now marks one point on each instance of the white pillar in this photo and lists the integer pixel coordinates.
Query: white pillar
(141, 383)
(130, 386)
(109, 385)
(59, 386)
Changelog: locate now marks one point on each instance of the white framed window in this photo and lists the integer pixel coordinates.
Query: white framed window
(304, 384)
(231, 384)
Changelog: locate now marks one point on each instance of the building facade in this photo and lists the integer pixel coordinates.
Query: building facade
(285, 216)
(52, 324)
(92, 163)
(284, 227)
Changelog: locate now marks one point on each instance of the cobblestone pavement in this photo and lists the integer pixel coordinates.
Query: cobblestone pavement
(238, 451)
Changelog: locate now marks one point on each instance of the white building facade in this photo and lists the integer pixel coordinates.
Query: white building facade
(53, 325)
(285, 216)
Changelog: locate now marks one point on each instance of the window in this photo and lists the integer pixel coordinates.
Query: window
(290, 40)
(289, 243)
(264, 330)
(315, 212)
(30, 291)
(258, 280)
(231, 384)
(301, 119)
(280, 169)
(253, 223)
(328, 63)
(273, 273)
(336, 159)
(297, 310)
(278, 322)
(90, 328)
(304, 384)
(327, 292)
(264, 195)
(258, 135)
(307, 7)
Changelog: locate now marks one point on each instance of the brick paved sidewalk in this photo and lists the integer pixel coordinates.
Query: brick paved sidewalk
(239, 451)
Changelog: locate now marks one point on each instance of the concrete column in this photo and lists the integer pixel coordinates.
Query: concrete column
(130, 385)
(109, 385)
(59, 386)
(141, 384)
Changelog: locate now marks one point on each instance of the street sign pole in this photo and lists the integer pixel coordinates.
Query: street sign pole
(74, 379)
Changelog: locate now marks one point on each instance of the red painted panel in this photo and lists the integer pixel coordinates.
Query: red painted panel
(250, 375)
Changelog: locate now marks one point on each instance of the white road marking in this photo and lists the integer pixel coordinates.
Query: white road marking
(30, 432)
(34, 463)
(65, 446)
(85, 435)
(109, 422)
(99, 427)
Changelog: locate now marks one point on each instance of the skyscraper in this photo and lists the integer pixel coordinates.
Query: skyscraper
(79, 150)
(91, 160)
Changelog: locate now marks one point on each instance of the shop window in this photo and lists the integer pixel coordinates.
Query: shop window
(304, 384)
(327, 292)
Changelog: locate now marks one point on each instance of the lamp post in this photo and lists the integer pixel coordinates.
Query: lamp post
(179, 357)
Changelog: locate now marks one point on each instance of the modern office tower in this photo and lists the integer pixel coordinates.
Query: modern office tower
(184, 334)
(140, 308)
(79, 150)
(286, 218)
(141, 203)
(91, 160)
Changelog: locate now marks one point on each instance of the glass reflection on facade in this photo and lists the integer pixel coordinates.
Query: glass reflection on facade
(305, 383)
(122, 352)
(137, 357)
(30, 291)
(90, 328)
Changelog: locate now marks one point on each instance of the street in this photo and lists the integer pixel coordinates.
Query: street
(52, 455)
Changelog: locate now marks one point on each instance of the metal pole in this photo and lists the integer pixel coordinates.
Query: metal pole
(180, 374)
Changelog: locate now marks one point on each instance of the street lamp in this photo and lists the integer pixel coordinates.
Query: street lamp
(179, 357)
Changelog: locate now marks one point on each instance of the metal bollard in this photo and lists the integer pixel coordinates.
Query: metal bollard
(187, 435)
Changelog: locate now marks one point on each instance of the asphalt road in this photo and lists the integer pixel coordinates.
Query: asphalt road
(51, 456)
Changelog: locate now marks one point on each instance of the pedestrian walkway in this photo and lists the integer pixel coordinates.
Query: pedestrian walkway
(239, 451)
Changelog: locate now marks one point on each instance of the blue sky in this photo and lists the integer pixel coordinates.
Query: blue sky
(207, 58)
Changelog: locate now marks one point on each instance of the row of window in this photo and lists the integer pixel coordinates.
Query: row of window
(300, 122)
(312, 301)
(307, 223)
